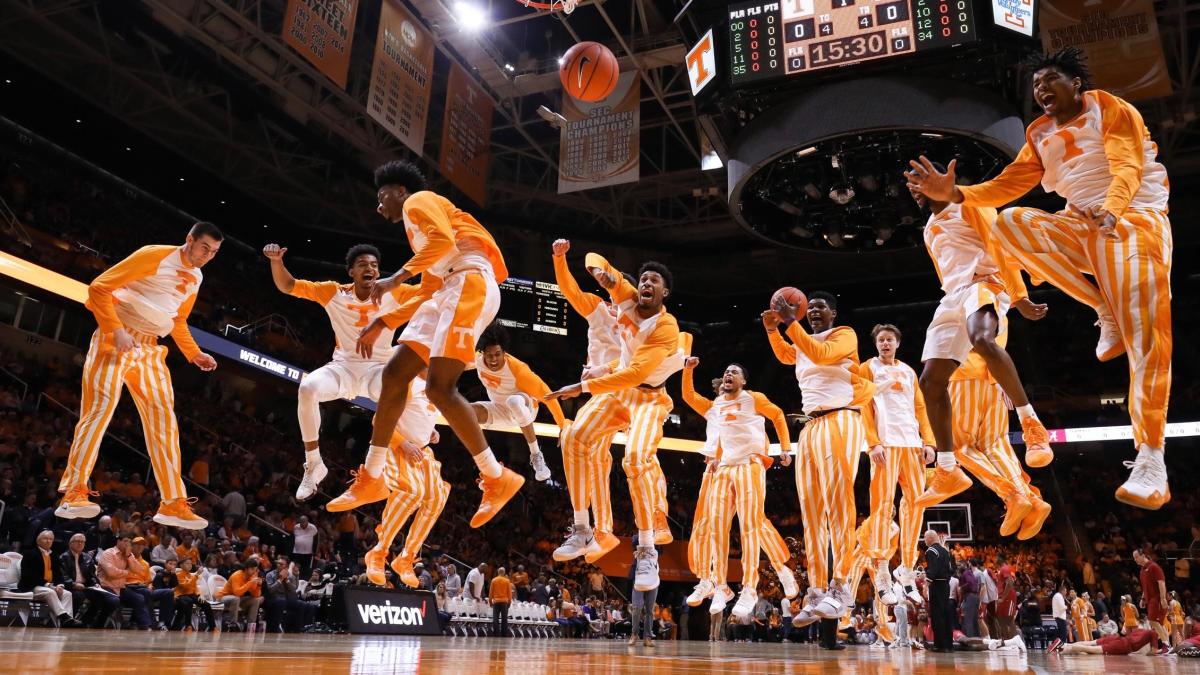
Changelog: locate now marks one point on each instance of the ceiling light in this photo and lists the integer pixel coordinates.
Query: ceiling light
(560, 61)
(509, 68)
(806, 151)
(470, 16)
(78, 121)
(180, 180)
(128, 149)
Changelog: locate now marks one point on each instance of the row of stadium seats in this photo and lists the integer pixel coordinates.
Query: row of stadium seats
(473, 618)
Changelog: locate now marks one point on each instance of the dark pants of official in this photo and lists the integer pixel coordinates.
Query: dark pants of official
(500, 619)
(939, 614)
(101, 605)
(288, 614)
(1062, 630)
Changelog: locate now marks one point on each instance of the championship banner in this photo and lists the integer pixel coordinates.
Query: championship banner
(322, 30)
(400, 87)
(1120, 39)
(599, 143)
(466, 135)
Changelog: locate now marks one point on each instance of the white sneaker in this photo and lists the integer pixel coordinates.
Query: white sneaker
(1017, 642)
(720, 601)
(885, 591)
(313, 475)
(646, 576)
(747, 599)
(832, 605)
(907, 581)
(1110, 345)
(580, 541)
(703, 590)
(807, 615)
(541, 472)
(788, 580)
(1147, 484)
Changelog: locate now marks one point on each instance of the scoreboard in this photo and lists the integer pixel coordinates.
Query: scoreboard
(533, 305)
(789, 37)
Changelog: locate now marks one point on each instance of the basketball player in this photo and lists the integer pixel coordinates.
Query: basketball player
(348, 375)
(978, 282)
(513, 391)
(1142, 641)
(1093, 149)
(736, 440)
(836, 397)
(629, 395)
(590, 478)
(140, 299)
(453, 253)
(414, 477)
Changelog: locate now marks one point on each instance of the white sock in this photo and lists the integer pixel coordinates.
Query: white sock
(376, 460)
(583, 518)
(533, 448)
(488, 466)
(646, 538)
(946, 461)
(1026, 411)
(312, 457)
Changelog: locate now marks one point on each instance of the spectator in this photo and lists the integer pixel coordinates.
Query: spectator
(442, 597)
(424, 579)
(762, 618)
(283, 600)
(520, 580)
(474, 587)
(242, 593)
(164, 551)
(501, 595)
(40, 576)
(968, 600)
(102, 535)
(78, 570)
(540, 593)
(140, 581)
(452, 581)
(114, 569)
(187, 597)
(188, 549)
(304, 536)
(596, 581)
(1106, 626)
(233, 504)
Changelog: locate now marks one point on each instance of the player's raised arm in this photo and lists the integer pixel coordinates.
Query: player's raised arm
(609, 277)
(582, 302)
(697, 402)
(283, 279)
(782, 348)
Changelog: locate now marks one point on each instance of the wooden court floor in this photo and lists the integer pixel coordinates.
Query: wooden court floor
(40, 650)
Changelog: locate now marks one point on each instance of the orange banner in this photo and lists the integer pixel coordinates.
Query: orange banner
(599, 142)
(322, 30)
(1120, 39)
(672, 562)
(466, 135)
(400, 77)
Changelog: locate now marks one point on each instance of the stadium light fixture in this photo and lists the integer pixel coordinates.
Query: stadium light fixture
(472, 17)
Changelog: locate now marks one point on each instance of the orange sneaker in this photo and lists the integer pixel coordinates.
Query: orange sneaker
(607, 541)
(662, 529)
(1033, 522)
(178, 513)
(945, 484)
(1017, 506)
(375, 560)
(402, 565)
(363, 490)
(496, 493)
(1037, 443)
(75, 503)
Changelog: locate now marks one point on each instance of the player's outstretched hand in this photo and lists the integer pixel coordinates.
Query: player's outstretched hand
(926, 179)
(785, 458)
(691, 362)
(274, 252)
(771, 319)
(560, 246)
(205, 362)
(367, 338)
(570, 391)
(1031, 310)
(876, 455)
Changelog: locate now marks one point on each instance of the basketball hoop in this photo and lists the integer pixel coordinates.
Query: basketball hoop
(565, 6)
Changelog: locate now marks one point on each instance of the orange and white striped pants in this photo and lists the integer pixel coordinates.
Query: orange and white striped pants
(906, 467)
(829, 448)
(588, 481)
(981, 438)
(143, 370)
(742, 489)
(416, 488)
(700, 544)
(641, 413)
(1132, 278)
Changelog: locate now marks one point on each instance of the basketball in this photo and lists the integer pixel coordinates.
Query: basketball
(792, 296)
(589, 71)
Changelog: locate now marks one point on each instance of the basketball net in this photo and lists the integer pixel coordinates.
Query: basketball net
(565, 6)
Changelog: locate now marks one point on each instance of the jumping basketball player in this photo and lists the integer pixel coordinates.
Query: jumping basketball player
(454, 254)
(348, 375)
(140, 299)
(514, 392)
(737, 441)
(1093, 149)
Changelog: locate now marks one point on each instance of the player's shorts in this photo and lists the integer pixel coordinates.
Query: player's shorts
(351, 379)
(501, 414)
(947, 336)
(448, 324)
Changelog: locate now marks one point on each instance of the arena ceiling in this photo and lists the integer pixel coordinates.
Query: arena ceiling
(214, 82)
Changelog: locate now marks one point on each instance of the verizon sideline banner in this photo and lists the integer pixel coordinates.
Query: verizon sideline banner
(389, 611)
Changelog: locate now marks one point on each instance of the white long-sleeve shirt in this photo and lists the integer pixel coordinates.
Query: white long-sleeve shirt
(1058, 606)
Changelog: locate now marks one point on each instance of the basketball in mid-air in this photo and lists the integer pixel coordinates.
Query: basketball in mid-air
(589, 71)
(792, 296)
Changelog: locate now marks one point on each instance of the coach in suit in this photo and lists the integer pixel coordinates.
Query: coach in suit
(939, 568)
(40, 576)
(78, 570)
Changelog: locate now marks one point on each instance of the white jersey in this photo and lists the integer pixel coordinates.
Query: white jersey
(736, 426)
(957, 250)
(348, 316)
(825, 387)
(895, 404)
(151, 303)
(603, 335)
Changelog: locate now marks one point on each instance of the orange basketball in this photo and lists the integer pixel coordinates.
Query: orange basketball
(792, 296)
(589, 71)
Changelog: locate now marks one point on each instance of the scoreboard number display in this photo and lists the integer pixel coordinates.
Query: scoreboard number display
(772, 39)
(533, 305)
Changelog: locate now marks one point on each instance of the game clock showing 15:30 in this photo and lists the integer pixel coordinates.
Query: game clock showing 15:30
(771, 39)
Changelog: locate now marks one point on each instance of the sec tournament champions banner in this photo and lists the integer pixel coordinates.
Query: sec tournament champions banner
(1120, 39)
(322, 30)
(400, 84)
(466, 135)
(599, 143)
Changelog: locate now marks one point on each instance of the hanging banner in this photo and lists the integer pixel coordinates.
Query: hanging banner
(466, 135)
(400, 77)
(1120, 39)
(599, 142)
(322, 30)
